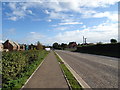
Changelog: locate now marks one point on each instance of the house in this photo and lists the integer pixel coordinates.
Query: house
(32, 47)
(11, 46)
(22, 47)
(72, 45)
(1, 47)
(26, 47)
(18, 46)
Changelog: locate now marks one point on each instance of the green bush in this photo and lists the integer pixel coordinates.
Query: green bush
(101, 49)
(18, 66)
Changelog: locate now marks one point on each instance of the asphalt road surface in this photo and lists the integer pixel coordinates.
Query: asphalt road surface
(97, 71)
(49, 75)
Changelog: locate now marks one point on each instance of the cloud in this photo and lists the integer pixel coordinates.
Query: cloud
(36, 19)
(84, 26)
(1, 41)
(32, 32)
(13, 18)
(57, 9)
(49, 20)
(70, 23)
(110, 15)
(99, 33)
(102, 32)
(61, 10)
(18, 11)
(61, 28)
(47, 12)
(56, 15)
(10, 31)
(113, 16)
(33, 37)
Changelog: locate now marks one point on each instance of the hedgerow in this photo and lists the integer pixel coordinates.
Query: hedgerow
(17, 66)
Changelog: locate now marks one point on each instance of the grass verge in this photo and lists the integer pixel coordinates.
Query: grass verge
(32, 68)
(20, 66)
(71, 79)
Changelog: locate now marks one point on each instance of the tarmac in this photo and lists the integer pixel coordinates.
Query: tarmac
(48, 75)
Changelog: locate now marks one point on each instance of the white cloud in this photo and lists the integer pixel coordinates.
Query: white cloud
(47, 12)
(70, 23)
(99, 33)
(55, 8)
(1, 41)
(56, 15)
(84, 26)
(61, 28)
(59, 10)
(110, 15)
(13, 18)
(32, 32)
(49, 20)
(33, 37)
(30, 12)
(102, 32)
(36, 19)
(12, 6)
(18, 10)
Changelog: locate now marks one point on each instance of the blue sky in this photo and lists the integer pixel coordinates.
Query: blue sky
(60, 21)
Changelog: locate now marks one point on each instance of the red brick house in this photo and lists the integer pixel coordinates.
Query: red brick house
(11, 46)
(72, 45)
(18, 46)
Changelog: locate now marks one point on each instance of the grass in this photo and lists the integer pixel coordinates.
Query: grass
(18, 83)
(32, 68)
(71, 79)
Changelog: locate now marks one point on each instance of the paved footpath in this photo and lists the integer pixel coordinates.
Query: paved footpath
(49, 75)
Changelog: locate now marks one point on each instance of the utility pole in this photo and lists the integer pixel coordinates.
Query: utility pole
(83, 40)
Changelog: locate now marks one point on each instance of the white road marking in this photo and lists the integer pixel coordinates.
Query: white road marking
(78, 78)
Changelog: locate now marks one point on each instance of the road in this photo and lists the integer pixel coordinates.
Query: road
(97, 71)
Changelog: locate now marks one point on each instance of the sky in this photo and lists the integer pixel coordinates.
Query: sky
(61, 21)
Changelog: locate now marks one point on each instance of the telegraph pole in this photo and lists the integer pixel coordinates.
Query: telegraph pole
(83, 40)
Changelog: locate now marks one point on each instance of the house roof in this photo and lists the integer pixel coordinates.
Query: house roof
(12, 43)
(72, 43)
(16, 43)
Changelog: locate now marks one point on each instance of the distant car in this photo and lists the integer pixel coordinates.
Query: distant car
(47, 49)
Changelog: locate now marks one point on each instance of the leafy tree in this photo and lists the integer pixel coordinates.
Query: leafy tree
(39, 46)
(55, 45)
(63, 46)
(99, 43)
(113, 40)
(78, 44)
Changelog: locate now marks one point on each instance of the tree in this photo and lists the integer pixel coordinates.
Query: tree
(55, 45)
(99, 43)
(113, 40)
(63, 46)
(39, 46)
